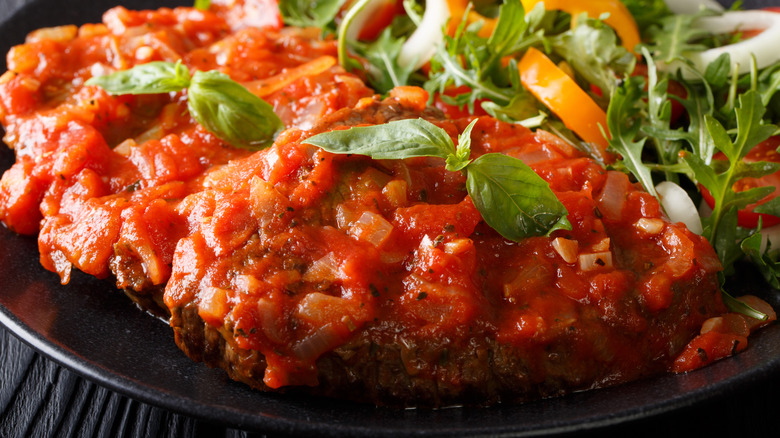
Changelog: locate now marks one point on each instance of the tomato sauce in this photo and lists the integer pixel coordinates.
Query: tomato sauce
(100, 176)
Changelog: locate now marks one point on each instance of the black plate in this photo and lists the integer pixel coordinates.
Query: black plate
(92, 328)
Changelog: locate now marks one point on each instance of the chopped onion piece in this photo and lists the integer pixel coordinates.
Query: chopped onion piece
(679, 206)
(651, 226)
(602, 245)
(566, 248)
(372, 228)
(458, 246)
(596, 260)
(422, 44)
(324, 339)
(613, 197)
(692, 6)
(324, 269)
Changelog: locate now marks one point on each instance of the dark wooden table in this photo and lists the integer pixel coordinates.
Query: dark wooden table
(38, 398)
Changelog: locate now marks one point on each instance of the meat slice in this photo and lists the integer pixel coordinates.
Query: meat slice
(378, 281)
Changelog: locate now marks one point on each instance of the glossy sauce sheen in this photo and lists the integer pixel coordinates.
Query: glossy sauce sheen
(369, 280)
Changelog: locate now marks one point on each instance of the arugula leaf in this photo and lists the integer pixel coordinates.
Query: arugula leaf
(470, 60)
(624, 128)
(647, 13)
(770, 207)
(766, 261)
(511, 197)
(221, 105)
(384, 73)
(231, 112)
(593, 51)
(308, 13)
(150, 78)
(721, 226)
(673, 37)
(738, 306)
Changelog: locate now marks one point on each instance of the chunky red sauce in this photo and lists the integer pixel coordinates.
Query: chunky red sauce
(376, 280)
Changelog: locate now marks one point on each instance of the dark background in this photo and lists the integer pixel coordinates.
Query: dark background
(40, 398)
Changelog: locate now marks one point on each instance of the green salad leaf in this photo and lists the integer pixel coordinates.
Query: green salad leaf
(511, 197)
(308, 13)
(221, 105)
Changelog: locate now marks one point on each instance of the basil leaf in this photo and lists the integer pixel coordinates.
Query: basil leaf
(512, 198)
(151, 78)
(231, 112)
(461, 158)
(394, 140)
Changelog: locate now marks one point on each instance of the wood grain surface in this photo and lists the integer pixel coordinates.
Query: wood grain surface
(38, 398)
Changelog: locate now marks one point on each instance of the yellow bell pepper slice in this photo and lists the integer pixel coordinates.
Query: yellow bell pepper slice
(561, 94)
(619, 18)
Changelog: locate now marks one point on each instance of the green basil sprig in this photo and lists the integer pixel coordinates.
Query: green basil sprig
(511, 197)
(221, 105)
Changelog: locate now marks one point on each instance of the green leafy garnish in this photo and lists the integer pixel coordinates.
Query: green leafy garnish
(203, 5)
(383, 69)
(511, 197)
(624, 127)
(221, 105)
(307, 13)
(592, 50)
(150, 78)
(229, 110)
(675, 36)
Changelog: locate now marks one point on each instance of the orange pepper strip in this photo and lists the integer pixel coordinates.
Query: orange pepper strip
(619, 18)
(264, 87)
(558, 91)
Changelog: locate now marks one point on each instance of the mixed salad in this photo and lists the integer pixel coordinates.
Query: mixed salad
(682, 95)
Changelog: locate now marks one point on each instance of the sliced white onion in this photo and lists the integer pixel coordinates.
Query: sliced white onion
(762, 46)
(679, 206)
(772, 235)
(422, 44)
(692, 6)
(361, 18)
